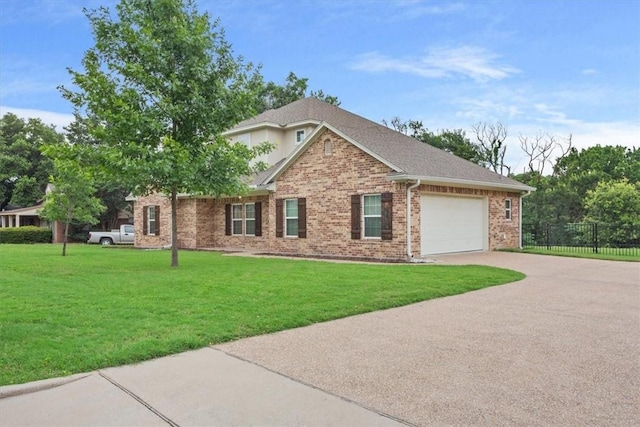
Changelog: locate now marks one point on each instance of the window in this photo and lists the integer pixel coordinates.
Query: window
(372, 215)
(235, 223)
(507, 209)
(299, 136)
(236, 219)
(291, 217)
(245, 139)
(250, 219)
(151, 220)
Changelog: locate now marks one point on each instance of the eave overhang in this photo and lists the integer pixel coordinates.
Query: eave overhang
(455, 182)
(273, 125)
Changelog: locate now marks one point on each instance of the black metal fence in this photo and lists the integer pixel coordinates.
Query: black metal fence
(583, 237)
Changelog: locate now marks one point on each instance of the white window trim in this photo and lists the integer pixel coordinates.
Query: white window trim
(364, 229)
(301, 132)
(234, 220)
(246, 219)
(287, 218)
(508, 206)
(150, 220)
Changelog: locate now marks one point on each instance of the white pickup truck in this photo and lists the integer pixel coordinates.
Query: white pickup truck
(123, 236)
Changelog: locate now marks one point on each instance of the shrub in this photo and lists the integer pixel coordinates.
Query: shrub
(27, 234)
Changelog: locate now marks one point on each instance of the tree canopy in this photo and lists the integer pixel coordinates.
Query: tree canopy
(158, 88)
(274, 95)
(24, 170)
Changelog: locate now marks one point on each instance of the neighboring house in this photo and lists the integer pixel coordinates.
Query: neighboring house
(30, 216)
(344, 186)
(22, 217)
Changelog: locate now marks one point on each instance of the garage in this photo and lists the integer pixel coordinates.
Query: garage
(452, 224)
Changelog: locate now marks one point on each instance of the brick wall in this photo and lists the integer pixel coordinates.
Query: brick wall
(327, 181)
(164, 219)
(256, 243)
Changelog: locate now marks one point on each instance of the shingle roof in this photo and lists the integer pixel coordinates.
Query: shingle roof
(410, 156)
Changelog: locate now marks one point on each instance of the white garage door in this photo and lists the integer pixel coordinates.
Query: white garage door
(452, 224)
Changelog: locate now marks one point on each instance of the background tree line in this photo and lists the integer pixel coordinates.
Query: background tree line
(596, 184)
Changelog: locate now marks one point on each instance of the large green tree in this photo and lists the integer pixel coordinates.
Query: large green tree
(24, 171)
(158, 88)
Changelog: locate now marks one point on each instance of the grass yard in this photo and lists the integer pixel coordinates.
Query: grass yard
(102, 307)
(609, 254)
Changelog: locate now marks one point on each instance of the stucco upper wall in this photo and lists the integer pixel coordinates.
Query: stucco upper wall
(283, 139)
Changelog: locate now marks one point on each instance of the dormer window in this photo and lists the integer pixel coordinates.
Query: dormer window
(299, 136)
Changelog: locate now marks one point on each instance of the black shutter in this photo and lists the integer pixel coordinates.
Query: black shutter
(227, 219)
(258, 211)
(355, 217)
(279, 218)
(157, 230)
(387, 215)
(145, 217)
(302, 217)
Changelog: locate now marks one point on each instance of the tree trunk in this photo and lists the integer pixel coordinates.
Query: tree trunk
(64, 241)
(174, 228)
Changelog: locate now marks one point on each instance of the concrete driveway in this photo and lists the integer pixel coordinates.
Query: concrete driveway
(561, 347)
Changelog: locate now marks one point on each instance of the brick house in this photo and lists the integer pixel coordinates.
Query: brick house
(344, 186)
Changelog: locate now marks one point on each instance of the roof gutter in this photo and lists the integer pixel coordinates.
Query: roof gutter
(459, 182)
(409, 188)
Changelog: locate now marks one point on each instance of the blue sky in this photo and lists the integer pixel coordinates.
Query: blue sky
(561, 67)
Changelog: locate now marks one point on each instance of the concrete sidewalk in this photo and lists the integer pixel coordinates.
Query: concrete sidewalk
(200, 388)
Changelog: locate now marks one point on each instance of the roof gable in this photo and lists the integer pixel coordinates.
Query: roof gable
(408, 157)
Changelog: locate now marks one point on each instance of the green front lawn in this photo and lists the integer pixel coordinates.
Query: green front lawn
(99, 307)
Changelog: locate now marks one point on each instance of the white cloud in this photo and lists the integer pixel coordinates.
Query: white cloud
(469, 61)
(553, 117)
(59, 120)
(590, 71)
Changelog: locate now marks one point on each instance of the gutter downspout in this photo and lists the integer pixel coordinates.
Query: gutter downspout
(409, 254)
(520, 211)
